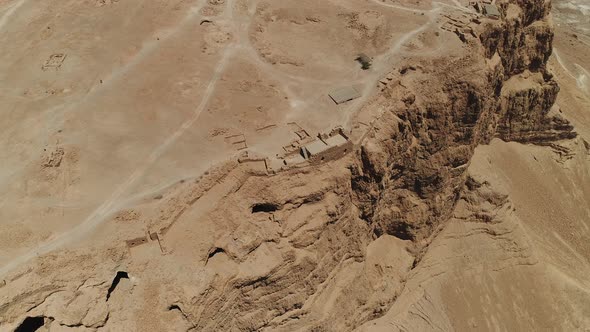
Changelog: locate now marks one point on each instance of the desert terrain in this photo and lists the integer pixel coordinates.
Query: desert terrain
(187, 165)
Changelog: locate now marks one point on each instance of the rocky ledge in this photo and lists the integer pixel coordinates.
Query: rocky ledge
(327, 248)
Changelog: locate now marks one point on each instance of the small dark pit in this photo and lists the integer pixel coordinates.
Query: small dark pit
(120, 275)
(264, 207)
(31, 324)
(214, 252)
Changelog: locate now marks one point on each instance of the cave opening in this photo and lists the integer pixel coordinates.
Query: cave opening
(264, 207)
(214, 251)
(31, 324)
(120, 275)
(174, 307)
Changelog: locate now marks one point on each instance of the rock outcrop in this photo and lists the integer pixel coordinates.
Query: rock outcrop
(332, 247)
(409, 174)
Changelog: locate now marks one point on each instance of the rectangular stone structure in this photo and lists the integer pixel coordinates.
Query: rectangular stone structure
(343, 95)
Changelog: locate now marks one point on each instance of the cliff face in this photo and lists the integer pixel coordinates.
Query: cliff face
(523, 39)
(528, 115)
(405, 181)
(334, 247)
(409, 176)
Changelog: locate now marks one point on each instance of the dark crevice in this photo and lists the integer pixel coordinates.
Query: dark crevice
(213, 252)
(31, 324)
(174, 307)
(184, 315)
(120, 275)
(264, 207)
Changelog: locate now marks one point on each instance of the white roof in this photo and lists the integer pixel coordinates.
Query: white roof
(336, 140)
(343, 95)
(316, 147)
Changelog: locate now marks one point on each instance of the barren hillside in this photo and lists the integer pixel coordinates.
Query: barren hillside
(256, 165)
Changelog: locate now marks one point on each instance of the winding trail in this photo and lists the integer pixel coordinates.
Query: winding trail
(107, 207)
(100, 214)
(385, 60)
(390, 5)
(62, 110)
(240, 28)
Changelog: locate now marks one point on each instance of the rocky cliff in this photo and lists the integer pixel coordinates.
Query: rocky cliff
(334, 247)
(410, 173)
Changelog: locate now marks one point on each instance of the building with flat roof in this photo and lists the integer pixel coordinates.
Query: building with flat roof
(343, 95)
(336, 140)
(329, 148)
(314, 148)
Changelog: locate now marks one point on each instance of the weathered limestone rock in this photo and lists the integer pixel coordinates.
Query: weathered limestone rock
(409, 176)
(335, 245)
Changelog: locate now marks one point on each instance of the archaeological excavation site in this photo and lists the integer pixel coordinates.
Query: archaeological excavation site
(309, 165)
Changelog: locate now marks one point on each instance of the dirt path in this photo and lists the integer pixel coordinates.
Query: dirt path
(384, 61)
(390, 5)
(62, 110)
(4, 19)
(240, 27)
(113, 201)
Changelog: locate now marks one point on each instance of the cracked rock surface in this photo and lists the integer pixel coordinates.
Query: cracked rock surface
(465, 205)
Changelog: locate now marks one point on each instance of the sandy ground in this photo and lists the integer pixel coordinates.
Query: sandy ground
(128, 114)
(128, 119)
(136, 112)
